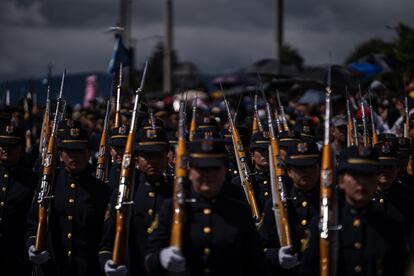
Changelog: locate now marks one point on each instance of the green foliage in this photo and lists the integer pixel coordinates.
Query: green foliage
(372, 46)
(154, 78)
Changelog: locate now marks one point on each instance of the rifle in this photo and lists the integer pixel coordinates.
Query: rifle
(46, 186)
(45, 131)
(374, 130)
(277, 181)
(126, 183)
(193, 124)
(410, 165)
(349, 141)
(7, 99)
(257, 124)
(102, 162)
(282, 111)
(326, 262)
(364, 120)
(244, 171)
(118, 99)
(176, 238)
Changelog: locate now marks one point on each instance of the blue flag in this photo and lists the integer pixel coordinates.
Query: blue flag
(120, 54)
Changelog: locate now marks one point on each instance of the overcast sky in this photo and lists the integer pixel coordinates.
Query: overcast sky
(217, 35)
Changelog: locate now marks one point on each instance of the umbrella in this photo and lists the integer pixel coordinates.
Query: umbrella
(312, 96)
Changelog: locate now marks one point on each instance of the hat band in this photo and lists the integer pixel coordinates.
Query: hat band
(358, 161)
(261, 142)
(308, 135)
(10, 137)
(304, 156)
(387, 158)
(152, 143)
(207, 155)
(150, 127)
(206, 126)
(288, 139)
(119, 136)
(74, 141)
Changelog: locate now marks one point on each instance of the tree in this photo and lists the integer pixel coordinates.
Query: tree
(372, 46)
(154, 77)
(291, 56)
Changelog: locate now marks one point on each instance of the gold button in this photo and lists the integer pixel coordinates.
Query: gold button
(73, 185)
(357, 222)
(304, 204)
(6, 175)
(207, 230)
(151, 194)
(357, 245)
(2, 203)
(70, 217)
(265, 182)
(235, 171)
(69, 235)
(4, 189)
(304, 222)
(150, 212)
(69, 253)
(206, 271)
(266, 194)
(381, 201)
(206, 251)
(71, 200)
(149, 230)
(358, 268)
(207, 211)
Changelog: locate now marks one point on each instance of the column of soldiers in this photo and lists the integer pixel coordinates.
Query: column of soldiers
(218, 231)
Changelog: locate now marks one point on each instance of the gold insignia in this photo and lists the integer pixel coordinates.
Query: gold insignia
(304, 242)
(363, 151)
(291, 134)
(9, 129)
(69, 123)
(206, 120)
(153, 226)
(306, 129)
(302, 147)
(266, 134)
(385, 148)
(151, 133)
(74, 132)
(207, 145)
(122, 130)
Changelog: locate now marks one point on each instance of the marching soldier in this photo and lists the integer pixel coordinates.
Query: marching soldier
(259, 149)
(302, 162)
(369, 242)
(393, 196)
(77, 212)
(116, 149)
(219, 235)
(17, 187)
(152, 187)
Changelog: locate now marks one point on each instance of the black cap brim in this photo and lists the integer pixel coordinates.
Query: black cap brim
(259, 146)
(359, 168)
(118, 142)
(151, 148)
(73, 145)
(388, 161)
(11, 141)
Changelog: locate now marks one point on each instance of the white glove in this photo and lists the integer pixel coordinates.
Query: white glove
(113, 270)
(286, 259)
(172, 260)
(38, 257)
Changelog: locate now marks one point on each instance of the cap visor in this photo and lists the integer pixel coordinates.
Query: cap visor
(11, 141)
(207, 162)
(301, 162)
(118, 142)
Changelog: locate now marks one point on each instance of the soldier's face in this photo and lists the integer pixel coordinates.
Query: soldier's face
(359, 187)
(304, 177)
(75, 161)
(171, 157)
(339, 133)
(386, 177)
(10, 154)
(152, 164)
(207, 181)
(261, 159)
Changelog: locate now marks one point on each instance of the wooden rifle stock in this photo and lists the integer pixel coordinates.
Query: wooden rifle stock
(244, 171)
(176, 238)
(326, 194)
(46, 186)
(126, 184)
(102, 162)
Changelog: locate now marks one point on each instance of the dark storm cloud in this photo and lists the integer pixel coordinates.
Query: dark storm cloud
(215, 34)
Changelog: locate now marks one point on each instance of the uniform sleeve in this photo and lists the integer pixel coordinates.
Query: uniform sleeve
(32, 220)
(253, 257)
(310, 257)
(159, 239)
